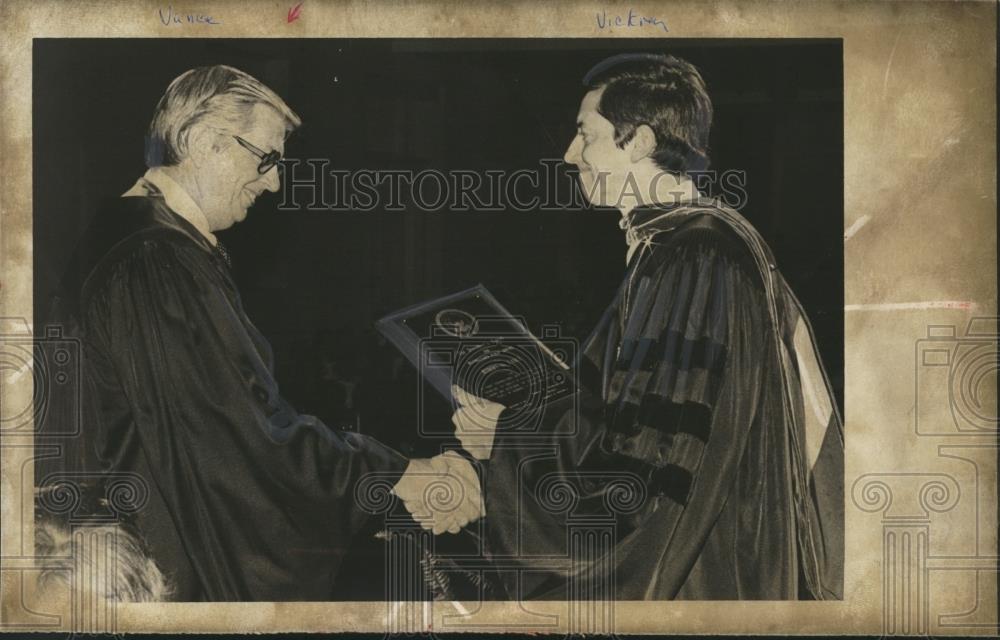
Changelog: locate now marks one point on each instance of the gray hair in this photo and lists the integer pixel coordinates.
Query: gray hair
(104, 562)
(219, 96)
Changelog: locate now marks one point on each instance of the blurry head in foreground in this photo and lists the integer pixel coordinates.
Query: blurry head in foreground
(90, 563)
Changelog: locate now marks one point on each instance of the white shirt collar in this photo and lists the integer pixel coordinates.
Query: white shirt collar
(176, 198)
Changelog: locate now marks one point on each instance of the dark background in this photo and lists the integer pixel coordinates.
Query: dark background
(315, 281)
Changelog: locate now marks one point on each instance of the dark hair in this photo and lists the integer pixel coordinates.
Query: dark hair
(663, 92)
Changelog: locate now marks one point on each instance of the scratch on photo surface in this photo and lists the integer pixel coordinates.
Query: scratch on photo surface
(854, 228)
(888, 65)
(909, 306)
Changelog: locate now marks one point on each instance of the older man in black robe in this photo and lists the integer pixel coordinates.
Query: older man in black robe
(701, 383)
(248, 498)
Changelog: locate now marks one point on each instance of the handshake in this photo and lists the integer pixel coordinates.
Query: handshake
(443, 493)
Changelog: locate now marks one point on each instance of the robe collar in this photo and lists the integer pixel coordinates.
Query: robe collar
(644, 222)
(156, 183)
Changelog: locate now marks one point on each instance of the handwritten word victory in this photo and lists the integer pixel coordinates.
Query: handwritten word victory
(630, 19)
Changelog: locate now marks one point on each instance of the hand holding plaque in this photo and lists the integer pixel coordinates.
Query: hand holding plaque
(475, 421)
(475, 353)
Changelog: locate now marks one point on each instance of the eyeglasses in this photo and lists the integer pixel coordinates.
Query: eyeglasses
(268, 159)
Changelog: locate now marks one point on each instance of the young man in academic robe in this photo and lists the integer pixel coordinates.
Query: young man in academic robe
(705, 424)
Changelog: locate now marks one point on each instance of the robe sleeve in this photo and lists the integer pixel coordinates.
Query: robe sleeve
(251, 485)
(681, 370)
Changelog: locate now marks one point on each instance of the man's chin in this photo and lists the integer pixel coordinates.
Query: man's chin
(234, 218)
(240, 215)
(592, 201)
(591, 194)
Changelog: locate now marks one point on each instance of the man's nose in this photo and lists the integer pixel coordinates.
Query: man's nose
(572, 155)
(271, 180)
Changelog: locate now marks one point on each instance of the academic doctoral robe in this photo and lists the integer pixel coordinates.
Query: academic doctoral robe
(704, 429)
(248, 499)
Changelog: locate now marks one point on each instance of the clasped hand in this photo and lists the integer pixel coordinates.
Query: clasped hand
(441, 493)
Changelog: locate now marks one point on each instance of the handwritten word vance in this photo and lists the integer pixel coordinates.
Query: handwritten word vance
(630, 19)
(169, 18)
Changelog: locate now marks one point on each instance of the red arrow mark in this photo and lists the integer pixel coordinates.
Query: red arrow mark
(294, 12)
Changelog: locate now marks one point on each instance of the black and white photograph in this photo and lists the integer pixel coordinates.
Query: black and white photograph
(433, 326)
(650, 205)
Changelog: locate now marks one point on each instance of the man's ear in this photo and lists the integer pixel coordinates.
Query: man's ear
(203, 144)
(643, 143)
